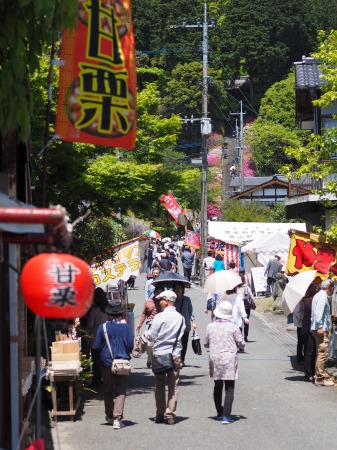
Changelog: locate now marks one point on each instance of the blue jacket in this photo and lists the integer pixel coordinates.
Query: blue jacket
(120, 338)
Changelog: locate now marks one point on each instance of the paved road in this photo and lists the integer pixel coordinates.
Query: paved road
(276, 408)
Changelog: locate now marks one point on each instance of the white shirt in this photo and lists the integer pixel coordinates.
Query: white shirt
(209, 262)
(238, 312)
(164, 330)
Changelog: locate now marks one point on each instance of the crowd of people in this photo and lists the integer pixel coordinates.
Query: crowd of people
(168, 317)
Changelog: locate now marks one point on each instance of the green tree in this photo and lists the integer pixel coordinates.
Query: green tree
(240, 211)
(318, 156)
(278, 103)
(25, 29)
(268, 142)
(264, 38)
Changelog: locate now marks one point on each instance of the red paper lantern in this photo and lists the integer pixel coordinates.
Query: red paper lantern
(57, 286)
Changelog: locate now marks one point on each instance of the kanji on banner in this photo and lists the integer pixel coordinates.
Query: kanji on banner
(97, 85)
(125, 262)
(310, 251)
(192, 239)
(171, 204)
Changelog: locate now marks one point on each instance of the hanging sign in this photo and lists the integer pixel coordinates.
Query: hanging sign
(126, 262)
(312, 251)
(57, 286)
(97, 85)
(170, 203)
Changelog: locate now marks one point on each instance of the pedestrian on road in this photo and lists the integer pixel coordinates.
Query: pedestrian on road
(320, 326)
(248, 298)
(121, 343)
(239, 315)
(97, 316)
(298, 321)
(149, 258)
(187, 260)
(184, 307)
(307, 336)
(209, 264)
(278, 288)
(218, 263)
(167, 329)
(149, 288)
(150, 310)
(273, 268)
(223, 338)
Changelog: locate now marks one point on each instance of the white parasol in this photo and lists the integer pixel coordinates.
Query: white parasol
(223, 280)
(297, 287)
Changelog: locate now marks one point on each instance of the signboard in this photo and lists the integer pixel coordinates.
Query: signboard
(259, 281)
(125, 262)
(97, 85)
(311, 251)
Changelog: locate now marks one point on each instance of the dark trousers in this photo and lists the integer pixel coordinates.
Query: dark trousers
(300, 345)
(187, 273)
(96, 366)
(309, 354)
(184, 342)
(270, 285)
(226, 409)
(246, 327)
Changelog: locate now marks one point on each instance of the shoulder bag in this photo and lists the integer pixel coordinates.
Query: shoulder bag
(248, 300)
(164, 363)
(118, 366)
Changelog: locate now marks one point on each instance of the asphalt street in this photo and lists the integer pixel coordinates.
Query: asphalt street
(275, 407)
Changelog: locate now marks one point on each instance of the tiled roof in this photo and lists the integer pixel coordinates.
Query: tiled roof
(307, 74)
(254, 181)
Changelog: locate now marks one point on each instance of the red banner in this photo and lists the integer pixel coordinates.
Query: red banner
(192, 239)
(170, 203)
(97, 86)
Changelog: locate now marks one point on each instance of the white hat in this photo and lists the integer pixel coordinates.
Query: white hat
(223, 310)
(168, 295)
(326, 283)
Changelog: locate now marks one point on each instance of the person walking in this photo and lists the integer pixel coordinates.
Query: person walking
(218, 263)
(121, 343)
(97, 316)
(248, 301)
(149, 288)
(166, 332)
(187, 260)
(273, 268)
(150, 310)
(223, 338)
(298, 321)
(209, 264)
(320, 326)
(184, 307)
(307, 336)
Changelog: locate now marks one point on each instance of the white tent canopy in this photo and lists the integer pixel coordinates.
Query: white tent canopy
(243, 232)
(267, 246)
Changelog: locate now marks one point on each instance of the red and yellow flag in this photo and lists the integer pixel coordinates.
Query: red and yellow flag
(171, 204)
(97, 86)
(312, 251)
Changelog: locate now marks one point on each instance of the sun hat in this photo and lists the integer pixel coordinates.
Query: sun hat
(167, 295)
(326, 283)
(115, 308)
(223, 310)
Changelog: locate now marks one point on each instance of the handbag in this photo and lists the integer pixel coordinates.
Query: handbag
(137, 346)
(164, 363)
(211, 304)
(118, 366)
(196, 346)
(248, 300)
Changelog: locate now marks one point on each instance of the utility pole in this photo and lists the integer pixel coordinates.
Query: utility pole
(240, 146)
(205, 132)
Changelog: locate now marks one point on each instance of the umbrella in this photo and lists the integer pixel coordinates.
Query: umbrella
(168, 279)
(223, 280)
(152, 234)
(297, 287)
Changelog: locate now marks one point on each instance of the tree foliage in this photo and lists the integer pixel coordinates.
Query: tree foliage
(269, 142)
(25, 29)
(240, 211)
